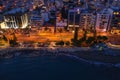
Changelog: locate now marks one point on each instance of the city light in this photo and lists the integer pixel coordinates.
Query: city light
(51, 39)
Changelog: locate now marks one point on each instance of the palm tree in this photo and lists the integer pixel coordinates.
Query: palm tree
(90, 40)
(76, 33)
(5, 38)
(104, 38)
(14, 37)
(85, 34)
(60, 31)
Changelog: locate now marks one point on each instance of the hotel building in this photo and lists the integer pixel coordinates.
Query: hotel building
(15, 18)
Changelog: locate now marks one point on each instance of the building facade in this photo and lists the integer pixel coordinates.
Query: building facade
(82, 19)
(115, 24)
(87, 21)
(15, 19)
(103, 20)
(73, 18)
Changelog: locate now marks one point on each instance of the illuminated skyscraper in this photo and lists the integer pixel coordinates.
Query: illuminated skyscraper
(16, 18)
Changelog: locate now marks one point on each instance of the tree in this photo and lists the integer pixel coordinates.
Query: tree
(90, 40)
(60, 43)
(14, 37)
(81, 40)
(13, 41)
(75, 42)
(67, 43)
(60, 31)
(85, 35)
(5, 38)
(94, 33)
(99, 38)
(104, 38)
(76, 33)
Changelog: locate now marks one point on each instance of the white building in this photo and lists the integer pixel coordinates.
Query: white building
(87, 20)
(15, 18)
(103, 20)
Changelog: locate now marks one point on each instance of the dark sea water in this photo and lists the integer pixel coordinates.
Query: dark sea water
(54, 68)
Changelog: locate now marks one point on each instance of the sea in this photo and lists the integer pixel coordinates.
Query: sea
(54, 68)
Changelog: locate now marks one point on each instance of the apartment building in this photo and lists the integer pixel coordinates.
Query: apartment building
(87, 20)
(103, 20)
(115, 24)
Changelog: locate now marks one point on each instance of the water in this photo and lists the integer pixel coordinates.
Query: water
(54, 68)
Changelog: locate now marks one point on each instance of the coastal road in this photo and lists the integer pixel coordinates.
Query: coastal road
(66, 36)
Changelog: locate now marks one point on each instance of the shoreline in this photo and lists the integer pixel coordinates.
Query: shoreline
(84, 54)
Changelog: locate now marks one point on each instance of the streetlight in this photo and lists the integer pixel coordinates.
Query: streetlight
(73, 31)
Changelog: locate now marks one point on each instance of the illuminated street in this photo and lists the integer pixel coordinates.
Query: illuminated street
(59, 39)
(65, 36)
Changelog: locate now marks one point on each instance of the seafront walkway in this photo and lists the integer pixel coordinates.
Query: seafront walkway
(113, 46)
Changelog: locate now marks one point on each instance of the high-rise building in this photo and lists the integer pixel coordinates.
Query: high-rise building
(115, 23)
(82, 19)
(103, 20)
(73, 18)
(87, 20)
(16, 18)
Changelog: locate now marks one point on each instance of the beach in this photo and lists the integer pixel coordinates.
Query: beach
(108, 56)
